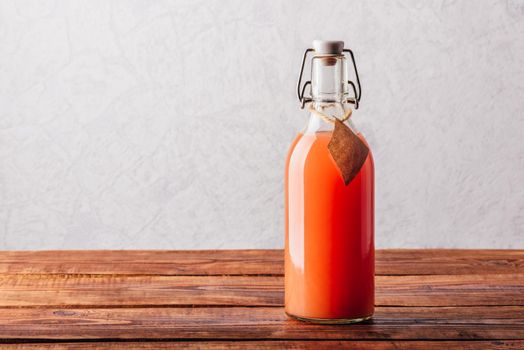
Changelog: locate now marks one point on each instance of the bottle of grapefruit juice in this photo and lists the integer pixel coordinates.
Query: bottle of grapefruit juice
(329, 247)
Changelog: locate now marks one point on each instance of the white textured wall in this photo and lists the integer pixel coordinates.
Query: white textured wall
(165, 124)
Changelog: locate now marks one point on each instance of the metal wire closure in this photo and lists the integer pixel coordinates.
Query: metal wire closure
(356, 99)
(301, 89)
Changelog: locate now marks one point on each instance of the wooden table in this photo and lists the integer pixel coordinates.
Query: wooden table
(426, 299)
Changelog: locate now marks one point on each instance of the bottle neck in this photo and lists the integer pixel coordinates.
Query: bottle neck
(329, 91)
(329, 79)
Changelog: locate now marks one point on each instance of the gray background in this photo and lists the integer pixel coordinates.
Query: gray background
(165, 124)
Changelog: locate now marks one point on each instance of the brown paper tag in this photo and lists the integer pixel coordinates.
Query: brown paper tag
(348, 151)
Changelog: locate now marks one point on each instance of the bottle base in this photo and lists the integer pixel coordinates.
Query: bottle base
(330, 320)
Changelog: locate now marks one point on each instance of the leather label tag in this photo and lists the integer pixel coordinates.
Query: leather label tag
(348, 151)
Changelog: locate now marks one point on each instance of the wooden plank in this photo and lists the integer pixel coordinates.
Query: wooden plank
(471, 323)
(143, 262)
(132, 291)
(104, 290)
(251, 262)
(449, 261)
(265, 345)
(453, 290)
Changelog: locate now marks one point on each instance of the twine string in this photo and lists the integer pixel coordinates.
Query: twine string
(327, 118)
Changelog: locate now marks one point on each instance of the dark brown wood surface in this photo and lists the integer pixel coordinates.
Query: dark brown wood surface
(264, 345)
(426, 299)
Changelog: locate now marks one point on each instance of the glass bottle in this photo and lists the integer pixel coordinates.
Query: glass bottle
(329, 247)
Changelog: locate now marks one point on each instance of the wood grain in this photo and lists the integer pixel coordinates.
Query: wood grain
(427, 299)
(103, 290)
(449, 261)
(143, 262)
(131, 291)
(286, 344)
(251, 262)
(450, 290)
(257, 323)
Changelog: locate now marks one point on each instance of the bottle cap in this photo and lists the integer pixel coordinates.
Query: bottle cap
(328, 47)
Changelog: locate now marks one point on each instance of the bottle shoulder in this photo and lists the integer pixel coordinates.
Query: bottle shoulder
(315, 145)
(318, 137)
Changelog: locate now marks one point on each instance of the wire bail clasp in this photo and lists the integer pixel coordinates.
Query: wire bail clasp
(301, 89)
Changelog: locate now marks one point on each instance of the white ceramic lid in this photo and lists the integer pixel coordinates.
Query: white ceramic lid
(328, 47)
